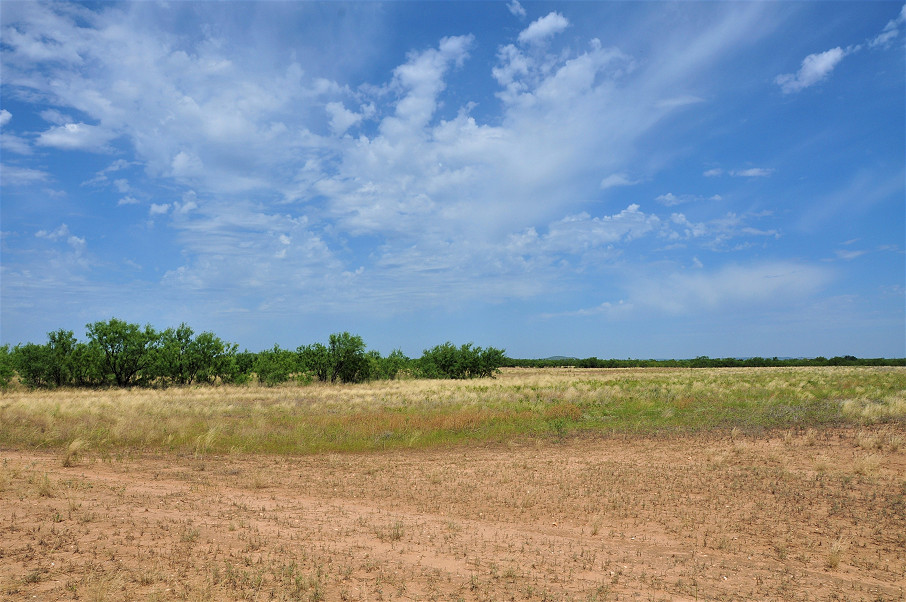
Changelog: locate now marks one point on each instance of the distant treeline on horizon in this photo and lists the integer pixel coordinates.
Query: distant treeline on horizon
(701, 362)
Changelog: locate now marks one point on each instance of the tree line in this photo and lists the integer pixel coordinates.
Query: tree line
(702, 362)
(118, 353)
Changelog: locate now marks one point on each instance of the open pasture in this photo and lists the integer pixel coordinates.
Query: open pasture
(538, 485)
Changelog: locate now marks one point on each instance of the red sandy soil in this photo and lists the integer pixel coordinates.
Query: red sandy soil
(816, 515)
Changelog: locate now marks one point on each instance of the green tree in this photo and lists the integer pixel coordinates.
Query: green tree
(181, 358)
(60, 346)
(48, 365)
(390, 367)
(7, 366)
(127, 350)
(275, 366)
(315, 360)
(348, 362)
(87, 365)
(32, 362)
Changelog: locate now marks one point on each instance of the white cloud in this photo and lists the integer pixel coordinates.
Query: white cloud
(515, 8)
(891, 30)
(433, 183)
(77, 243)
(5, 117)
(186, 165)
(849, 255)
(815, 68)
(773, 283)
(669, 199)
(748, 172)
(13, 175)
(55, 116)
(679, 101)
(613, 311)
(752, 172)
(15, 144)
(77, 136)
(581, 232)
(341, 119)
(543, 28)
(61, 232)
(617, 179)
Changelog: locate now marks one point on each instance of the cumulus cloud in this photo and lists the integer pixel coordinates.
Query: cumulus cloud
(815, 68)
(158, 209)
(543, 28)
(61, 232)
(5, 117)
(341, 118)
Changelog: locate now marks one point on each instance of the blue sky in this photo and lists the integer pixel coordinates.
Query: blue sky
(617, 179)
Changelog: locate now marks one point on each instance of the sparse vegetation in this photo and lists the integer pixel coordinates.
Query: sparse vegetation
(710, 515)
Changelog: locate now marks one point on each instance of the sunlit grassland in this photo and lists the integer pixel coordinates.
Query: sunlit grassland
(417, 413)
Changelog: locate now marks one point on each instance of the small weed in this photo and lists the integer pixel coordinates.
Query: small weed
(189, 535)
(45, 487)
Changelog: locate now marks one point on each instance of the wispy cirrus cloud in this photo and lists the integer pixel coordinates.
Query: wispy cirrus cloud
(730, 286)
(891, 30)
(748, 172)
(13, 175)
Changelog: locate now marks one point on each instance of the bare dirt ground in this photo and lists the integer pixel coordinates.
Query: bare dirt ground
(812, 515)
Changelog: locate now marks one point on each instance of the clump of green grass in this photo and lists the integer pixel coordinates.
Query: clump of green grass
(542, 403)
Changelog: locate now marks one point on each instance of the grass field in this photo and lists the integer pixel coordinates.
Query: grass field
(558, 484)
(295, 419)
